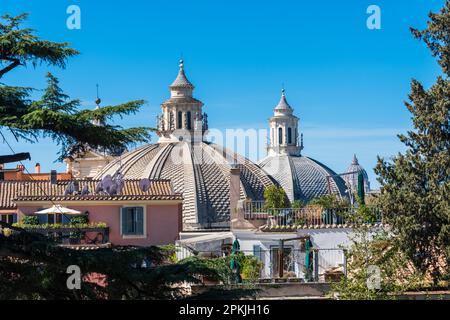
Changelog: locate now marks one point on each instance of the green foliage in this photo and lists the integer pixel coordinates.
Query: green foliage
(81, 219)
(32, 266)
(415, 185)
(274, 197)
(73, 225)
(55, 115)
(30, 220)
(298, 204)
(251, 269)
(20, 46)
(330, 201)
(374, 248)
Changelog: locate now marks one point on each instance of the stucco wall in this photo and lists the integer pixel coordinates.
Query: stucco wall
(163, 221)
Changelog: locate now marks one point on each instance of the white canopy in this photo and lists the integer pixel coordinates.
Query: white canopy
(58, 209)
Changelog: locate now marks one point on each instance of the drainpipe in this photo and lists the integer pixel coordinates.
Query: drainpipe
(316, 265)
(281, 260)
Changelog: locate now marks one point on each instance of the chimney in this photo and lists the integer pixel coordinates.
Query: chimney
(53, 177)
(21, 167)
(37, 168)
(235, 186)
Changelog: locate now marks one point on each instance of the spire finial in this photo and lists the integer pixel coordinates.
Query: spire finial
(355, 160)
(98, 100)
(181, 62)
(282, 89)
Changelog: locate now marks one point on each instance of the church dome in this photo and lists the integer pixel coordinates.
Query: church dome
(303, 178)
(200, 171)
(351, 178)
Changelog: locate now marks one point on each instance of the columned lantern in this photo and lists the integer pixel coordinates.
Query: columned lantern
(302, 178)
(182, 117)
(284, 138)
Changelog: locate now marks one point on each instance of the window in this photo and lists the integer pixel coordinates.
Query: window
(179, 120)
(257, 252)
(280, 135)
(188, 116)
(289, 135)
(288, 261)
(8, 218)
(132, 221)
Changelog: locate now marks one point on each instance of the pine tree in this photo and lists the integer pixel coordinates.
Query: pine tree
(55, 115)
(415, 185)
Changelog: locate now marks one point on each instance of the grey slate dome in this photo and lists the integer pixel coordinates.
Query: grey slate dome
(352, 175)
(303, 178)
(200, 172)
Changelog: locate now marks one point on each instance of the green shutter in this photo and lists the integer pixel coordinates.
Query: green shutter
(124, 217)
(139, 220)
(14, 218)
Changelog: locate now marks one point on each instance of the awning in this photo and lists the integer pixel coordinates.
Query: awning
(214, 236)
(58, 209)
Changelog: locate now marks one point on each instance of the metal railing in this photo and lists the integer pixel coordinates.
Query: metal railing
(307, 216)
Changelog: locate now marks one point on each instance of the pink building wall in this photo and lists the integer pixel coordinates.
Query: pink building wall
(163, 221)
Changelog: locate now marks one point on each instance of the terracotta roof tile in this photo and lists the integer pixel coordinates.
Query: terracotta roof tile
(45, 191)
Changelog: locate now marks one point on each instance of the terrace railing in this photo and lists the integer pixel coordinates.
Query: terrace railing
(67, 234)
(307, 216)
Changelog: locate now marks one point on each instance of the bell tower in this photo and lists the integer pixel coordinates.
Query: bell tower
(182, 117)
(284, 138)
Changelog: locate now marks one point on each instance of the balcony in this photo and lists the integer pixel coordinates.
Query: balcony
(71, 234)
(309, 217)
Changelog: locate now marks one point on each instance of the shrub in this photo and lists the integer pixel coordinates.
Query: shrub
(274, 197)
(31, 220)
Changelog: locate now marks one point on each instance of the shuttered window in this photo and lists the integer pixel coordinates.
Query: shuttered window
(132, 221)
(8, 218)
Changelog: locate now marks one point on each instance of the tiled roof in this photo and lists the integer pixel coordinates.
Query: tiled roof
(45, 191)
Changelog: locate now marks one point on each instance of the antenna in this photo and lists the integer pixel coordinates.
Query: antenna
(118, 183)
(70, 189)
(85, 190)
(107, 182)
(99, 187)
(144, 184)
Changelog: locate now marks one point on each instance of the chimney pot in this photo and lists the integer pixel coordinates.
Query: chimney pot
(37, 168)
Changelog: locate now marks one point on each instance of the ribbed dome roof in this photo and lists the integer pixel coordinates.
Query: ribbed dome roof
(303, 178)
(200, 172)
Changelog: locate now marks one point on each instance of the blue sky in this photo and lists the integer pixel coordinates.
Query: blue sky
(346, 83)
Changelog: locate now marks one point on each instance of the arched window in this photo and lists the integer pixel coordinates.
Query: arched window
(188, 120)
(289, 135)
(280, 135)
(180, 120)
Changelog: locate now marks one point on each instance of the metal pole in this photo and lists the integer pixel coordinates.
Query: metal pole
(345, 262)
(316, 265)
(281, 260)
